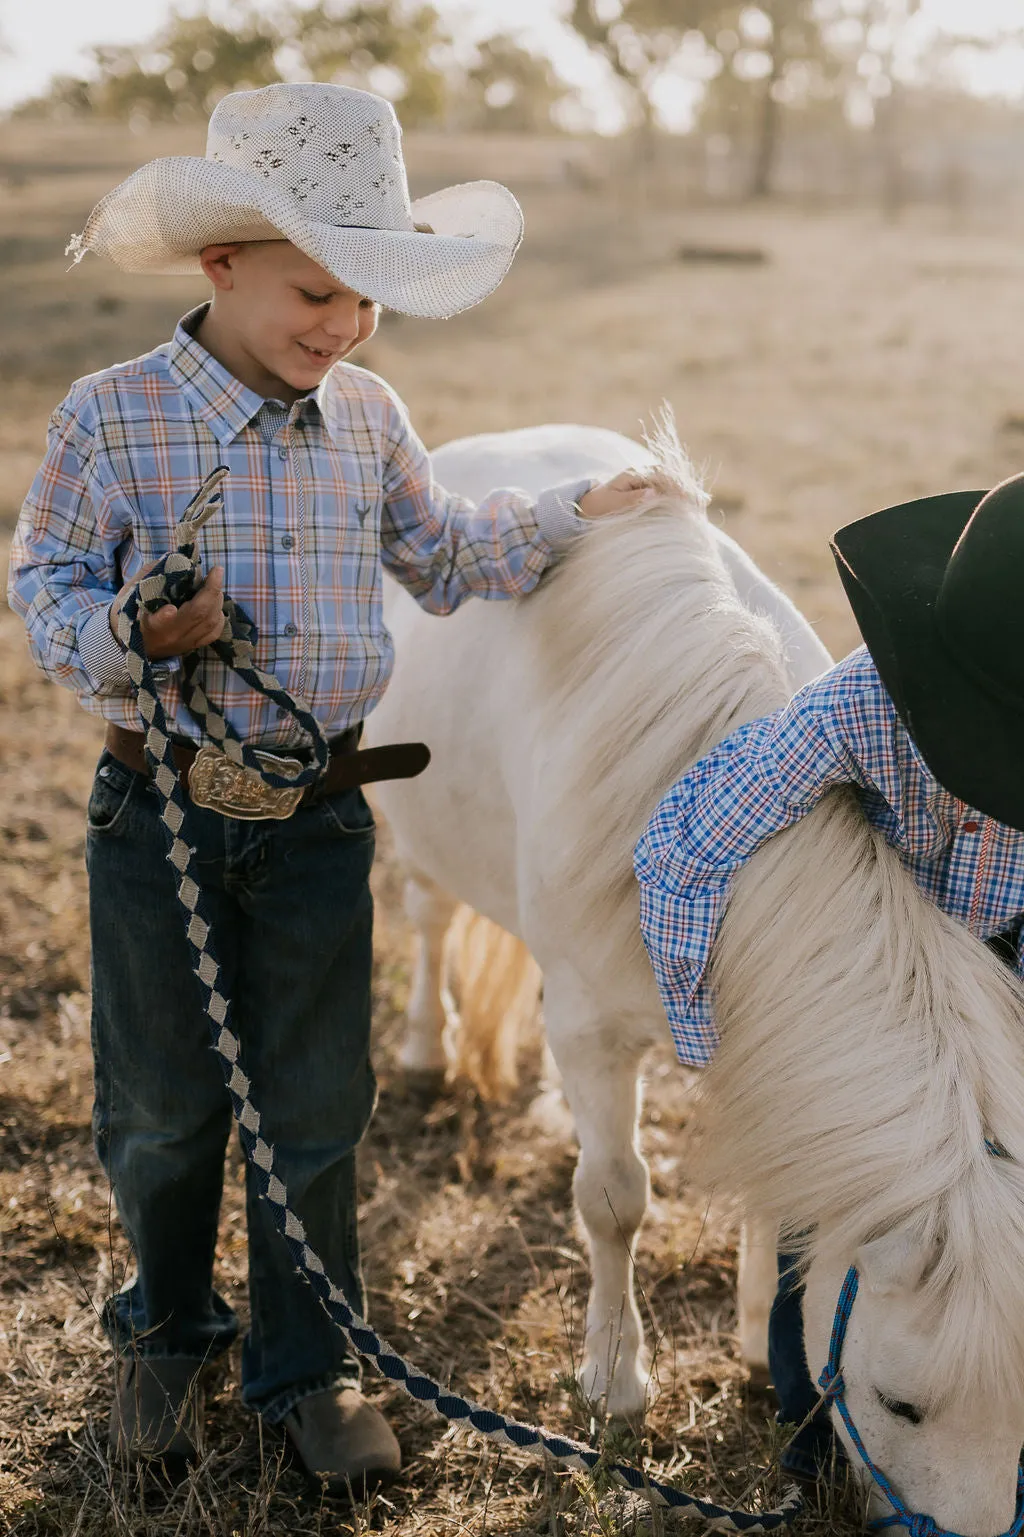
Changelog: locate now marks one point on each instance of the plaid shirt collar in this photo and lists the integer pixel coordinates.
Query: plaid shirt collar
(224, 403)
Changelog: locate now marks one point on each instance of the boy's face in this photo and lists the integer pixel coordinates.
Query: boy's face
(284, 319)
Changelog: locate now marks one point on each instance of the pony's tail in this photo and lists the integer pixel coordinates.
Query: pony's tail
(493, 984)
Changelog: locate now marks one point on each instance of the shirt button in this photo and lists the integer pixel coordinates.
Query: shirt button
(969, 827)
(286, 541)
(282, 452)
(291, 629)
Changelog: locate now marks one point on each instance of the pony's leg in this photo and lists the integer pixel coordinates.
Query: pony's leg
(422, 1054)
(757, 1279)
(601, 1081)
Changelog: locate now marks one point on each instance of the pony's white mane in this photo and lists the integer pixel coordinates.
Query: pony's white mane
(870, 1044)
(642, 644)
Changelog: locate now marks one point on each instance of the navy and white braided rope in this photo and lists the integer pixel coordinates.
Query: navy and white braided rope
(174, 578)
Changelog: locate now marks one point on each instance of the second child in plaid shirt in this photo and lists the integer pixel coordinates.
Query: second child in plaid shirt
(926, 723)
(329, 486)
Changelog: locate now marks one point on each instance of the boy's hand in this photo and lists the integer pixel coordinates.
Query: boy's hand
(174, 631)
(627, 492)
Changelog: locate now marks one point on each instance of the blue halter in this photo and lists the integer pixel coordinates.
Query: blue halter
(834, 1388)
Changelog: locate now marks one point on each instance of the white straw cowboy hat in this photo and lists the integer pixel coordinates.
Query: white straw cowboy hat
(321, 166)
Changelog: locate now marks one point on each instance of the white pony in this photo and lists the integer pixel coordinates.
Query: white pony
(870, 1046)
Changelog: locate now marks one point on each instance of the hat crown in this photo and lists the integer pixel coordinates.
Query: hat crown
(335, 152)
(978, 606)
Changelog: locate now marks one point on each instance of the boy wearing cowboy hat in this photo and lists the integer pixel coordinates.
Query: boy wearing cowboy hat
(300, 218)
(924, 722)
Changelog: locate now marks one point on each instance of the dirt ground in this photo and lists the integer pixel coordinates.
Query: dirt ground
(853, 365)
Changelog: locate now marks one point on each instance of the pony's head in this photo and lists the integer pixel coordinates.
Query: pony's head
(948, 1453)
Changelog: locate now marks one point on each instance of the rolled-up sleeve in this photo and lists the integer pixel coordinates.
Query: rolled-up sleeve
(63, 570)
(443, 548)
(761, 779)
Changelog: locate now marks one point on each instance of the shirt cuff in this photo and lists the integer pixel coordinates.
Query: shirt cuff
(558, 515)
(102, 656)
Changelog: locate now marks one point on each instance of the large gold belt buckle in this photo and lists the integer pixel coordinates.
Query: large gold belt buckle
(217, 784)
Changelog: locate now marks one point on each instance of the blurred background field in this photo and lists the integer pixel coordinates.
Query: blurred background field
(815, 256)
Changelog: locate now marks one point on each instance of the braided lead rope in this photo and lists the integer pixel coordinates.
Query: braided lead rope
(461, 1412)
(174, 580)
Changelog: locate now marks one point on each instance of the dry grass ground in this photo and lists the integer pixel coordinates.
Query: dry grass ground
(857, 365)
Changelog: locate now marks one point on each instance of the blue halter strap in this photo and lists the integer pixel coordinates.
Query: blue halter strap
(834, 1388)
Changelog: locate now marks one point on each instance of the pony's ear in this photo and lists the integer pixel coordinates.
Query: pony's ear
(896, 1262)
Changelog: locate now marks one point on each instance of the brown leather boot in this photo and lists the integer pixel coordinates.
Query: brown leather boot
(157, 1411)
(343, 1442)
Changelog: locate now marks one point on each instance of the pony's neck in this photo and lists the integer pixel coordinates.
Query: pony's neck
(646, 659)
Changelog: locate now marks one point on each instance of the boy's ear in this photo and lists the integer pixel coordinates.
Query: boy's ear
(218, 264)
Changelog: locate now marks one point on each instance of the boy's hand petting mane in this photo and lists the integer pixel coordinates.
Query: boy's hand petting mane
(628, 492)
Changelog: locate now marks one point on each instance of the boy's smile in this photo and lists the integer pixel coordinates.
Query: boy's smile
(279, 322)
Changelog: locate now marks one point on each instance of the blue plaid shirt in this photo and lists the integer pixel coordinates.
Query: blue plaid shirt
(842, 729)
(323, 495)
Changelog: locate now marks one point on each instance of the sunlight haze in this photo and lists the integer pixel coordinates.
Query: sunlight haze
(48, 39)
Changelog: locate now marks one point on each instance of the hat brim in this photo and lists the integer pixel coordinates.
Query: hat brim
(892, 565)
(162, 217)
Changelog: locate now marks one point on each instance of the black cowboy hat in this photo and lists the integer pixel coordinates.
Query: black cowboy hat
(937, 587)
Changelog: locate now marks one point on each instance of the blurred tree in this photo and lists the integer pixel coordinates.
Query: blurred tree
(67, 97)
(874, 44)
(400, 51)
(186, 68)
(780, 54)
(509, 87)
(761, 50)
(638, 38)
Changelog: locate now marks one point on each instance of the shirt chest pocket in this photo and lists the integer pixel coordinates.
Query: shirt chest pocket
(361, 501)
(346, 532)
(342, 541)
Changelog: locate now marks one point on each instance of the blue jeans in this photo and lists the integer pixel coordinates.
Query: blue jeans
(813, 1448)
(292, 920)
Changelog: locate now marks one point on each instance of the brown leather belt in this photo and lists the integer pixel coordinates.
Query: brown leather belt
(348, 767)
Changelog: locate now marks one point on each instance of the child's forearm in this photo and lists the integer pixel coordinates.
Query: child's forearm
(65, 610)
(444, 549)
